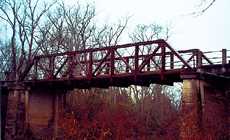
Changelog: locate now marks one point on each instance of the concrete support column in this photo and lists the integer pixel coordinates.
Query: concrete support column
(55, 116)
(27, 108)
(228, 119)
(44, 108)
(15, 116)
(191, 110)
(228, 110)
(59, 103)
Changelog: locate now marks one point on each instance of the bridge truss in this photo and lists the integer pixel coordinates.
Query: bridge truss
(139, 63)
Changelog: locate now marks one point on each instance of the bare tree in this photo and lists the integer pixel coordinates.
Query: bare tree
(23, 17)
(74, 28)
(4, 59)
(155, 95)
(147, 33)
(109, 35)
(203, 6)
(152, 32)
(210, 3)
(12, 23)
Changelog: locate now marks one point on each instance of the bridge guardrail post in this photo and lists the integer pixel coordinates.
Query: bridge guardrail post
(224, 56)
(171, 60)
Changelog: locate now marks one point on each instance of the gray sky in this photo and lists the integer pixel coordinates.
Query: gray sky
(210, 31)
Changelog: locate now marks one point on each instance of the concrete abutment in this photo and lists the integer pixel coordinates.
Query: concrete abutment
(204, 110)
(33, 113)
(15, 114)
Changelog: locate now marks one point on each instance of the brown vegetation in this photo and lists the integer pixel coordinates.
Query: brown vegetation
(103, 116)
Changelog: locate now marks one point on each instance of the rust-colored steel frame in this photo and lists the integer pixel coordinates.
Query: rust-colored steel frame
(112, 61)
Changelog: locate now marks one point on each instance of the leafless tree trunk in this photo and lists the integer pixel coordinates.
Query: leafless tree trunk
(147, 33)
(12, 22)
(24, 17)
(154, 93)
(203, 7)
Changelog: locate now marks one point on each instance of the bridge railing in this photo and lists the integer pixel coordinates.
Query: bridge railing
(130, 59)
(218, 57)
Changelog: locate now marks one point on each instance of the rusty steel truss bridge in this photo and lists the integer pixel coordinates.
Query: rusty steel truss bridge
(39, 89)
(139, 63)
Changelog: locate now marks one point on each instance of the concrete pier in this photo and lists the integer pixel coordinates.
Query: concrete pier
(204, 110)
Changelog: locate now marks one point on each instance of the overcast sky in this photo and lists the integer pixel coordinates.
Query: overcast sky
(210, 31)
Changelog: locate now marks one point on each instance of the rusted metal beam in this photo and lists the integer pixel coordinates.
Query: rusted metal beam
(162, 60)
(124, 59)
(190, 58)
(26, 71)
(148, 65)
(90, 66)
(35, 74)
(70, 65)
(206, 58)
(61, 67)
(148, 58)
(162, 57)
(136, 60)
(101, 62)
(171, 61)
(112, 62)
(127, 62)
(178, 56)
(104, 48)
(51, 67)
(199, 59)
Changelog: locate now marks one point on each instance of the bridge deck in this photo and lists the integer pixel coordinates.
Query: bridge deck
(104, 81)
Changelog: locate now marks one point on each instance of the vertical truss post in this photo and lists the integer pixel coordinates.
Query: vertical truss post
(51, 67)
(35, 76)
(199, 59)
(148, 65)
(70, 63)
(136, 59)
(127, 68)
(136, 62)
(162, 46)
(171, 61)
(194, 53)
(107, 67)
(90, 65)
(224, 56)
(112, 60)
